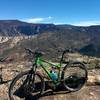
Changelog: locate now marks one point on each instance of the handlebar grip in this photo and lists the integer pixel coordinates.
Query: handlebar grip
(29, 50)
(35, 53)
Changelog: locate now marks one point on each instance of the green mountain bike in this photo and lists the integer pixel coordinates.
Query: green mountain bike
(72, 75)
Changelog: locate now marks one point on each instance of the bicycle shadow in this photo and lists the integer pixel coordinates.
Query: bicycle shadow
(48, 92)
(48, 85)
(59, 90)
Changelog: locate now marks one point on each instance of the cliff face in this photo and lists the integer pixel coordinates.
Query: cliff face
(49, 37)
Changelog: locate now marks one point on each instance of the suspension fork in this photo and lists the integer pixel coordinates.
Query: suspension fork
(33, 73)
(31, 76)
(30, 80)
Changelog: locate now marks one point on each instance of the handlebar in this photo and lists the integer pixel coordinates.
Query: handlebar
(39, 54)
(29, 50)
(34, 53)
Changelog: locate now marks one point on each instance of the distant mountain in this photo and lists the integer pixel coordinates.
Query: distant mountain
(16, 28)
(49, 37)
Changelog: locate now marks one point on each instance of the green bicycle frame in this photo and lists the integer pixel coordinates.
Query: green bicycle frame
(39, 62)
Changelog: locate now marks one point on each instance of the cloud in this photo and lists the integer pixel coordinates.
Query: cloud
(86, 23)
(38, 20)
(59, 23)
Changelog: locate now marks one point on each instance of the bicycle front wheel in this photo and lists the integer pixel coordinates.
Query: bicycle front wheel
(74, 76)
(23, 86)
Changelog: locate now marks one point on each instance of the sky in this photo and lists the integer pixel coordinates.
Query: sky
(75, 12)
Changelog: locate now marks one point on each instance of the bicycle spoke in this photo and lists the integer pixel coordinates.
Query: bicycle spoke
(75, 76)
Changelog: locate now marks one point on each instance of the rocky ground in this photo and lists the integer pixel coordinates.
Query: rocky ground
(91, 90)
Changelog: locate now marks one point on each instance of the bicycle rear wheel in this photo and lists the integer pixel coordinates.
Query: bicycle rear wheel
(74, 76)
(20, 87)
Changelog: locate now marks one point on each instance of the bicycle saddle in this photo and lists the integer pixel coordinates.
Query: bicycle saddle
(39, 53)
